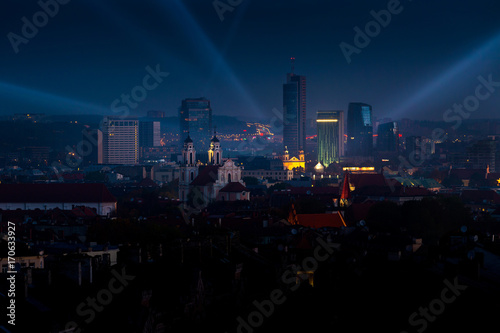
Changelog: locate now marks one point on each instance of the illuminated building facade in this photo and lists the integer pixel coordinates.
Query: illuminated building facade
(215, 151)
(330, 125)
(290, 163)
(120, 140)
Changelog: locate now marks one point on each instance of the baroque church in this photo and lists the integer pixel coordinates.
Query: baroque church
(219, 180)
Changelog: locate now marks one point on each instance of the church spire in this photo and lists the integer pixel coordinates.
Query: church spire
(346, 192)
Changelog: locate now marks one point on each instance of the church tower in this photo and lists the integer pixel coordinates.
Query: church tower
(215, 151)
(286, 155)
(188, 169)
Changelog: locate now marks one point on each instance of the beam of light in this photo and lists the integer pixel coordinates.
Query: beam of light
(238, 14)
(48, 100)
(450, 74)
(189, 24)
(137, 34)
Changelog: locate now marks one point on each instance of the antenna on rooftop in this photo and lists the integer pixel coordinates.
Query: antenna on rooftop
(292, 60)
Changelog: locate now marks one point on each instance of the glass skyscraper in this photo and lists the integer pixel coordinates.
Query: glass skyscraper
(388, 137)
(195, 115)
(294, 114)
(330, 126)
(359, 130)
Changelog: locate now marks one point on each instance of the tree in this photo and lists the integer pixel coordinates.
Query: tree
(95, 177)
(452, 180)
(385, 216)
(251, 181)
(477, 180)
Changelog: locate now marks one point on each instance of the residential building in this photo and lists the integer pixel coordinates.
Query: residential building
(280, 175)
(61, 195)
(120, 140)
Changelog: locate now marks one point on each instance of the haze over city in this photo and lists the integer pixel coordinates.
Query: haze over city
(423, 61)
(249, 166)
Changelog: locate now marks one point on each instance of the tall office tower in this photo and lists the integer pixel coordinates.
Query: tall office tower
(92, 141)
(418, 147)
(388, 137)
(330, 126)
(415, 147)
(294, 113)
(359, 130)
(482, 154)
(120, 140)
(195, 115)
(149, 134)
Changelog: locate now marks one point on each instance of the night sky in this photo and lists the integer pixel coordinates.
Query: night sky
(92, 51)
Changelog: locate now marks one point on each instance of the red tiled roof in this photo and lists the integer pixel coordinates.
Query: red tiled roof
(494, 175)
(206, 176)
(334, 220)
(359, 211)
(55, 193)
(364, 180)
(234, 187)
(83, 211)
(147, 182)
(346, 192)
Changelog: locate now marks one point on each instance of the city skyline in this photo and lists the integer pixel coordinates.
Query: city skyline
(249, 166)
(241, 67)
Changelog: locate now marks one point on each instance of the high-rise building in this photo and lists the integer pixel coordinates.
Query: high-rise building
(149, 134)
(482, 154)
(120, 140)
(359, 130)
(195, 115)
(388, 137)
(294, 113)
(330, 125)
(418, 148)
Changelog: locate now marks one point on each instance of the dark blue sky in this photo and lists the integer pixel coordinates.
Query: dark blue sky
(91, 52)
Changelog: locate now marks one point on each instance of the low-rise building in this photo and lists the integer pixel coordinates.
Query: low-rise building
(62, 196)
(269, 174)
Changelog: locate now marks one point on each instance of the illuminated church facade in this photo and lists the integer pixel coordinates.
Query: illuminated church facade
(293, 162)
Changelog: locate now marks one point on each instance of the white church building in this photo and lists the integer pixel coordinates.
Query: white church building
(218, 180)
